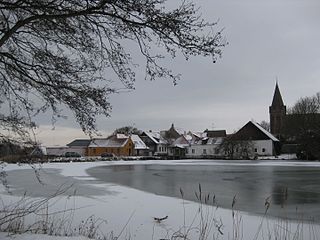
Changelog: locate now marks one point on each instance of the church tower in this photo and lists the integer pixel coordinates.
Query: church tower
(277, 112)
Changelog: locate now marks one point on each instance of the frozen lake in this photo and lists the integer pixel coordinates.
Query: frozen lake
(128, 195)
(291, 188)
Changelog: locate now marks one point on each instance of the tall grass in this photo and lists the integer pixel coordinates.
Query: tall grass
(206, 223)
(28, 215)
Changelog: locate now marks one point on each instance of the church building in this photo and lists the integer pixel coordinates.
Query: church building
(277, 112)
(298, 132)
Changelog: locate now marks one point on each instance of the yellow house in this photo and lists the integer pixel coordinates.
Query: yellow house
(119, 145)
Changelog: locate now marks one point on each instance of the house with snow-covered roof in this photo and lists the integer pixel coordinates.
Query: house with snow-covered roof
(206, 145)
(157, 145)
(140, 148)
(171, 134)
(79, 146)
(118, 145)
(264, 143)
(177, 149)
(193, 137)
(177, 140)
(164, 143)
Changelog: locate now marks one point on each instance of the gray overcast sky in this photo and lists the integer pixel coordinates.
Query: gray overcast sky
(268, 39)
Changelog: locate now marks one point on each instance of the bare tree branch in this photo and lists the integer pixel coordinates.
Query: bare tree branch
(66, 52)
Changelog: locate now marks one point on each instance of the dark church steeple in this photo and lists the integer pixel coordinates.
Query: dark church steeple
(277, 112)
(277, 99)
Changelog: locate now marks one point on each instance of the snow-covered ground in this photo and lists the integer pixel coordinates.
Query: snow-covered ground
(28, 236)
(129, 213)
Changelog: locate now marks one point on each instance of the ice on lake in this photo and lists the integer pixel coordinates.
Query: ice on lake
(129, 194)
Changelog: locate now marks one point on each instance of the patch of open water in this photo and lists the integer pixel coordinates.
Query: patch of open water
(292, 190)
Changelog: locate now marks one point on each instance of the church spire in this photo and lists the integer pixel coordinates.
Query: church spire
(277, 98)
(277, 112)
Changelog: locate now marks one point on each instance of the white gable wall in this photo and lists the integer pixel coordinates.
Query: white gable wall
(197, 150)
(260, 148)
(263, 147)
(162, 149)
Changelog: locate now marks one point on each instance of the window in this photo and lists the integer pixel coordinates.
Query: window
(204, 151)
(216, 151)
(255, 150)
(186, 150)
(192, 150)
(263, 150)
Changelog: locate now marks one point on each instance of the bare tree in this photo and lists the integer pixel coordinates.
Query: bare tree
(306, 105)
(128, 130)
(237, 149)
(65, 53)
(302, 126)
(265, 125)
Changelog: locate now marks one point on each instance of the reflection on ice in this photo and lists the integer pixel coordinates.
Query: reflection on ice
(293, 187)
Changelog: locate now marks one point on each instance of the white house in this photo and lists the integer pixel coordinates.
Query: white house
(158, 146)
(206, 144)
(177, 149)
(205, 148)
(267, 146)
(140, 148)
(264, 143)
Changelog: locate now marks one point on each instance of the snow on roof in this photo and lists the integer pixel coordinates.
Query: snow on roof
(156, 137)
(199, 134)
(79, 143)
(209, 141)
(215, 141)
(162, 140)
(56, 146)
(108, 142)
(181, 131)
(181, 145)
(138, 143)
(180, 142)
(98, 142)
(273, 138)
(153, 136)
(188, 137)
(121, 136)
